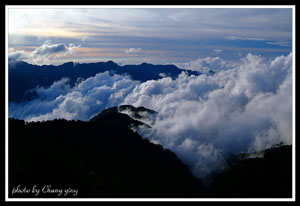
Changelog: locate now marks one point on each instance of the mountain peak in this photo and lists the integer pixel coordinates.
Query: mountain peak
(118, 115)
(111, 62)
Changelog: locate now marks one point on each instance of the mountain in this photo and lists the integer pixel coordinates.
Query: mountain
(24, 77)
(101, 158)
(136, 114)
(267, 174)
(104, 157)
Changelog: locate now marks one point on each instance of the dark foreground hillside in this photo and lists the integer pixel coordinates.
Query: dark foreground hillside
(104, 158)
(267, 177)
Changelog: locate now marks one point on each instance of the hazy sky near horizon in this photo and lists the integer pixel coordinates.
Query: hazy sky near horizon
(154, 35)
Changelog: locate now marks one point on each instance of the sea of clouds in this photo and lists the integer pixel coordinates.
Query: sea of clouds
(245, 106)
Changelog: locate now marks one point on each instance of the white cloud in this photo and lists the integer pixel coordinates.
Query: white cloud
(278, 43)
(244, 38)
(17, 56)
(237, 110)
(133, 50)
(285, 44)
(207, 63)
(83, 101)
(48, 49)
(44, 54)
(218, 51)
(203, 119)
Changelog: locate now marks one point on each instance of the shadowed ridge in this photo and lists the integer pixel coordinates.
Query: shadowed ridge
(111, 118)
(100, 158)
(114, 115)
(32, 76)
(268, 175)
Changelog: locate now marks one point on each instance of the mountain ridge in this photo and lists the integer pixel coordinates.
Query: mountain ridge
(33, 76)
(104, 157)
(100, 158)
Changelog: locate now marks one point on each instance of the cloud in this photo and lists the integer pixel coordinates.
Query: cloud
(277, 43)
(206, 64)
(285, 44)
(133, 50)
(244, 38)
(83, 101)
(268, 23)
(17, 56)
(48, 49)
(173, 32)
(203, 119)
(44, 54)
(218, 51)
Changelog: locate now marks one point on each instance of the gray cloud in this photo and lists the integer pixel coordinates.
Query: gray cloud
(44, 54)
(17, 56)
(48, 49)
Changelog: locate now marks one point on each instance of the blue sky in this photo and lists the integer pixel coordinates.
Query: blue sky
(154, 35)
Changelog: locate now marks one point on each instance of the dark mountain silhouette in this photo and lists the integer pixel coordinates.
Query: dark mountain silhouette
(269, 176)
(137, 113)
(134, 110)
(101, 158)
(105, 158)
(109, 118)
(24, 77)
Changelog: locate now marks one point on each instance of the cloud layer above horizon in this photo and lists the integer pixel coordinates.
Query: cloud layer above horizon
(245, 106)
(155, 35)
(43, 54)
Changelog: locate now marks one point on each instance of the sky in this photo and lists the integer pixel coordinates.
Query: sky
(153, 35)
(246, 106)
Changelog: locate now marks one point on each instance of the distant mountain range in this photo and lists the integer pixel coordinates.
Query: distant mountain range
(104, 157)
(23, 76)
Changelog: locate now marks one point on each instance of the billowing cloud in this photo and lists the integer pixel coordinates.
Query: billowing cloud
(44, 54)
(203, 119)
(133, 50)
(83, 101)
(17, 56)
(206, 118)
(48, 49)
